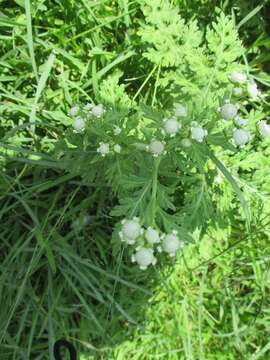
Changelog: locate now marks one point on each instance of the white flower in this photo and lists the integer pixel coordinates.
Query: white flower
(152, 235)
(73, 110)
(117, 130)
(103, 149)
(89, 106)
(117, 148)
(180, 110)
(228, 111)
(253, 90)
(240, 121)
(144, 257)
(98, 110)
(171, 243)
(131, 230)
(186, 143)
(237, 91)
(156, 148)
(198, 133)
(241, 137)
(264, 128)
(238, 77)
(79, 125)
(171, 126)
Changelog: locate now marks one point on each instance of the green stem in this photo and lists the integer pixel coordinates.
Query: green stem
(154, 190)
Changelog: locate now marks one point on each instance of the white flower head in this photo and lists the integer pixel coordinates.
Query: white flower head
(98, 110)
(180, 110)
(241, 137)
(264, 128)
(152, 236)
(144, 257)
(240, 121)
(228, 111)
(238, 77)
(73, 110)
(131, 230)
(103, 149)
(79, 125)
(186, 143)
(237, 91)
(171, 126)
(89, 106)
(156, 148)
(117, 130)
(171, 243)
(198, 133)
(117, 148)
(253, 91)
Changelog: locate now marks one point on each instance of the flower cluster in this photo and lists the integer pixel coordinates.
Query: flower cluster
(81, 115)
(147, 242)
(244, 86)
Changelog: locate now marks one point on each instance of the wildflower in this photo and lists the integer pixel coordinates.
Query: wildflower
(253, 90)
(156, 148)
(117, 148)
(237, 91)
(186, 143)
(117, 130)
(144, 257)
(89, 106)
(238, 77)
(103, 149)
(171, 126)
(228, 111)
(152, 235)
(73, 110)
(180, 110)
(198, 133)
(240, 121)
(131, 230)
(171, 243)
(79, 125)
(98, 110)
(264, 128)
(241, 137)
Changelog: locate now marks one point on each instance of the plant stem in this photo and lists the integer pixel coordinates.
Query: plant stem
(154, 190)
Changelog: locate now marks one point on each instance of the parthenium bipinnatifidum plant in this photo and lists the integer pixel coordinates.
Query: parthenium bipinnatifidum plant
(159, 159)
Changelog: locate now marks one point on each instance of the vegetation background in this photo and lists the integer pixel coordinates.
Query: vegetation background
(58, 277)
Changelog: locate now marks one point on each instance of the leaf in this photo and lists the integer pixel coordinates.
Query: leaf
(234, 185)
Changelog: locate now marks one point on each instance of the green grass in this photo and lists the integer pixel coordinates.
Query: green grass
(58, 277)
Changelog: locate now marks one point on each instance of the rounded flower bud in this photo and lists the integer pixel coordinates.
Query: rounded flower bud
(264, 128)
(198, 133)
(253, 90)
(144, 257)
(171, 126)
(171, 243)
(103, 149)
(98, 110)
(131, 230)
(180, 110)
(186, 143)
(117, 148)
(89, 106)
(240, 121)
(152, 236)
(74, 110)
(241, 137)
(156, 148)
(228, 111)
(238, 77)
(79, 125)
(237, 91)
(117, 130)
